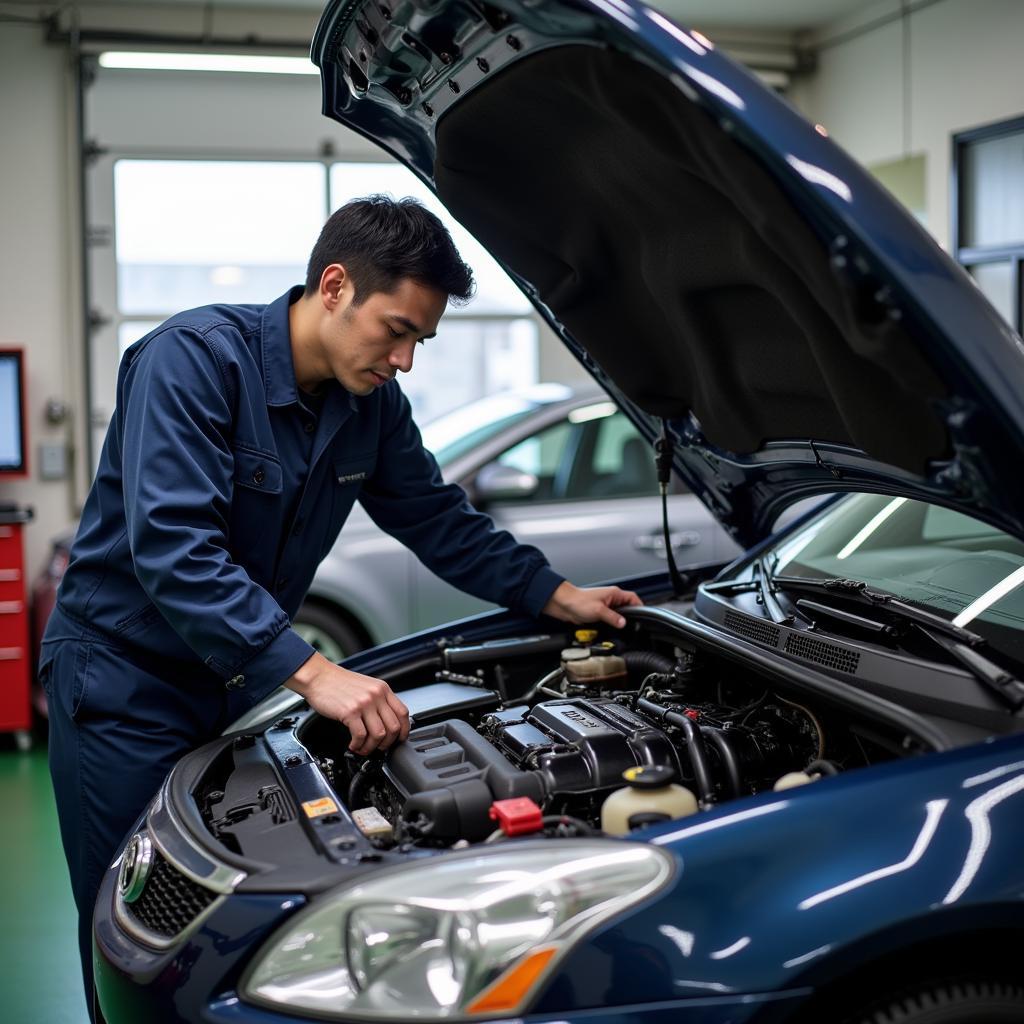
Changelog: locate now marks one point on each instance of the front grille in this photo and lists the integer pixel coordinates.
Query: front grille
(170, 901)
(829, 655)
(756, 629)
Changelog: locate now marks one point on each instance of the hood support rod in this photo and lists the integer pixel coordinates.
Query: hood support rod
(663, 459)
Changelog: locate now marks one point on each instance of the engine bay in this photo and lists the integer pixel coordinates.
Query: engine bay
(568, 735)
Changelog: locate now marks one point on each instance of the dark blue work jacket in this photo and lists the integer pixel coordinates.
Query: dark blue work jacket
(198, 540)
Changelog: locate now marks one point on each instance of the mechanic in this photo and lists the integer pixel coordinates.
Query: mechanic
(241, 439)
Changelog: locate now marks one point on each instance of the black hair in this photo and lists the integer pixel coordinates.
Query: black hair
(380, 240)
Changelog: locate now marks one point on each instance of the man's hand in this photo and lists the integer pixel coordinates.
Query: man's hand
(589, 604)
(374, 716)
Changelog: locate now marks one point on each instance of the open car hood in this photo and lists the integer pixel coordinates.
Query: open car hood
(710, 257)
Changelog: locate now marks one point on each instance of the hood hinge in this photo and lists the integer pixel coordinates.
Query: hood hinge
(834, 470)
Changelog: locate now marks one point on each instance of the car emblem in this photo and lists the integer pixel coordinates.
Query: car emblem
(135, 867)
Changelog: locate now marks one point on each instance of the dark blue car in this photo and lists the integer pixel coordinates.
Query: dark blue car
(792, 788)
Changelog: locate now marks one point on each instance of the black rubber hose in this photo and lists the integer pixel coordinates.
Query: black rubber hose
(359, 785)
(723, 745)
(694, 746)
(646, 662)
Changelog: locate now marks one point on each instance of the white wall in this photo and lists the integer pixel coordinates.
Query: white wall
(144, 114)
(39, 266)
(963, 69)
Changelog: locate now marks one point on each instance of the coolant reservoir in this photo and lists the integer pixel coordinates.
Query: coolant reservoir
(792, 779)
(649, 792)
(590, 663)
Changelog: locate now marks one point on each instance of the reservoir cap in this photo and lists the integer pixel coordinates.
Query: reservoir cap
(649, 776)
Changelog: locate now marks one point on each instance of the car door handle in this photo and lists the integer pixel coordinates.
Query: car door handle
(656, 541)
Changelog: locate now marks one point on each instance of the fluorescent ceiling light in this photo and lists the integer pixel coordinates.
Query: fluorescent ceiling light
(989, 598)
(263, 65)
(593, 412)
(866, 532)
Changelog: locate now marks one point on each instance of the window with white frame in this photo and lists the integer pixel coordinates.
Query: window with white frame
(988, 221)
(193, 232)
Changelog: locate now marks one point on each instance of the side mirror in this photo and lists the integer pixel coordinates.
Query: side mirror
(496, 482)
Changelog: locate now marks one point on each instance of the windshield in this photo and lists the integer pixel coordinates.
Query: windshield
(463, 429)
(961, 568)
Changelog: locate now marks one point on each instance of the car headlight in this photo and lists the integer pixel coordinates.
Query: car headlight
(456, 936)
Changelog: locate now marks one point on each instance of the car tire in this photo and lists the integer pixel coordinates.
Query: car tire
(963, 1002)
(327, 632)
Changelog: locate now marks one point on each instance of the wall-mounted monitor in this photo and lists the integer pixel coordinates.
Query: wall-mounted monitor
(13, 443)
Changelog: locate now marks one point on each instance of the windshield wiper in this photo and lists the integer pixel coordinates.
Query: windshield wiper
(858, 590)
(960, 644)
(766, 593)
(1003, 684)
(762, 584)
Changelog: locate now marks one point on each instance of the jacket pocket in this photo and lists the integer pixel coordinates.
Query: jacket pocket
(137, 620)
(64, 674)
(256, 470)
(255, 514)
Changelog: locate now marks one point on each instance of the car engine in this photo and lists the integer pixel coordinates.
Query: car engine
(608, 721)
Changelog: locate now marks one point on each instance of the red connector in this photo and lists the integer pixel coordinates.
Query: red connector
(517, 817)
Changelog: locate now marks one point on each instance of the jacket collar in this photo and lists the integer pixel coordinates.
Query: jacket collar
(279, 371)
(276, 345)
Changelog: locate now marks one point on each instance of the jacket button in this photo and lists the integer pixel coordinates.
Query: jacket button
(282, 582)
(235, 683)
(309, 427)
(259, 476)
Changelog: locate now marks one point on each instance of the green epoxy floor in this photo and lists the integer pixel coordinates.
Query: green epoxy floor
(40, 980)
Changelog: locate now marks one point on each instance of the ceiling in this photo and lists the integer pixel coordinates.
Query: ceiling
(778, 15)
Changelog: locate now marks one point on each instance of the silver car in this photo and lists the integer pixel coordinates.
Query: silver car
(560, 469)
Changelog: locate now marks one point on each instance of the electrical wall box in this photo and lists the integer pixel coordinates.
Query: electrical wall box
(53, 462)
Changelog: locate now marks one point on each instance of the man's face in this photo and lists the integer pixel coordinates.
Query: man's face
(367, 344)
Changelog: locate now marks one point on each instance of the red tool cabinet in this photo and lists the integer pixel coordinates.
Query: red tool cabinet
(15, 670)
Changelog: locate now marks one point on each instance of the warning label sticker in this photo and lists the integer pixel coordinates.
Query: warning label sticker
(317, 808)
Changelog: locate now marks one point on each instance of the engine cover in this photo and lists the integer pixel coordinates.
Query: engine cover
(579, 745)
(450, 773)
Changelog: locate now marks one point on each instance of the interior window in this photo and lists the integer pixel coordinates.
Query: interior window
(548, 456)
(613, 462)
(594, 458)
(945, 524)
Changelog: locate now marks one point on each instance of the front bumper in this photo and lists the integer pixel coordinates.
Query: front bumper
(196, 978)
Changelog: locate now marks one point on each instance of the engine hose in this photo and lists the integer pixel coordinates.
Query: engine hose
(822, 767)
(541, 685)
(554, 820)
(694, 746)
(360, 785)
(646, 662)
(729, 761)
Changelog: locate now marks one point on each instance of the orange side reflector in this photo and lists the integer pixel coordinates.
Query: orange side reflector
(508, 991)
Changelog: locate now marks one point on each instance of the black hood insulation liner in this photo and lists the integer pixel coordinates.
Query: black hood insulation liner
(700, 288)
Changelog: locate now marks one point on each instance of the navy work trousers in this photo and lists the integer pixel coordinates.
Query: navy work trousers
(119, 721)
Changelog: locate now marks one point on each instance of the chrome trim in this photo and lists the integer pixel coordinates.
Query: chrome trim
(177, 846)
(136, 864)
(168, 835)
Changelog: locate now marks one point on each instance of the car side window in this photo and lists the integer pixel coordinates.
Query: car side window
(602, 457)
(547, 456)
(613, 461)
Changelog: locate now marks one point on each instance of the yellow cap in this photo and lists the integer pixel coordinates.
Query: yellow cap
(586, 636)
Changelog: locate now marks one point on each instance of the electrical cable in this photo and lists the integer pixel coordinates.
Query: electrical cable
(542, 684)
(815, 722)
